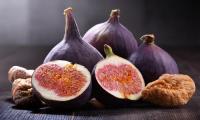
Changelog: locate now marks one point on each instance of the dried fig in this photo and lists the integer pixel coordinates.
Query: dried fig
(22, 93)
(170, 90)
(16, 72)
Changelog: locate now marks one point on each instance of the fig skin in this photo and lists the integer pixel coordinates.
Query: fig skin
(153, 61)
(106, 98)
(77, 102)
(72, 48)
(113, 34)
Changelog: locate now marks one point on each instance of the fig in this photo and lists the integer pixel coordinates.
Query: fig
(170, 90)
(62, 84)
(22, 94)
(116, 80)
(16, 72)
(113, 33)
(153, 61)
(72, 48)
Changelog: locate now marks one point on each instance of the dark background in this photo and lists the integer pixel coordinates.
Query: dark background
(41, 22)
(30, 28)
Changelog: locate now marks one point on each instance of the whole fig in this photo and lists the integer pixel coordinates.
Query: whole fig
(152, 61)
(113, 33)
(72, 48)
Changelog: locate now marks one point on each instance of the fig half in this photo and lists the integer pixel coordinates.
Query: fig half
(116, 80)
(62, 84)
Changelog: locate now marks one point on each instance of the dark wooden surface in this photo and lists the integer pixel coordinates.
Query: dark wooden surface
(188, 60)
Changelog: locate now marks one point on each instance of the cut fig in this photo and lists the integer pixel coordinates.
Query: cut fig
(116, 79)
(62, 84)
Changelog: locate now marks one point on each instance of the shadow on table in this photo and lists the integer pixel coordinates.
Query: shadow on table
(89, 110)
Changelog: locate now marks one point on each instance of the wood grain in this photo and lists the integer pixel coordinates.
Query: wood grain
(31, 57)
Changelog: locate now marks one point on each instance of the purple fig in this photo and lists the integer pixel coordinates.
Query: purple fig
(152, 61)
(72, 48)
(113, 33)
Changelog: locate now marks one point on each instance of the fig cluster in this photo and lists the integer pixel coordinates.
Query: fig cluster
(106, 65)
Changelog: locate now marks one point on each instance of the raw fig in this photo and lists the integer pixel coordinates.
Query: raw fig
(72, 48)
(116, 80)
(62, 84)
(114, 34)
(151, 60)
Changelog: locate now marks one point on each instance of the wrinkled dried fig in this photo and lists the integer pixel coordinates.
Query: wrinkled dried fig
(16, 72)
(22, 93)
(170, 90)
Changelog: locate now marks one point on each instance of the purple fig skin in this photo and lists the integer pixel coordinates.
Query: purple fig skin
(113, 34)
(72, 48)
(153, 61)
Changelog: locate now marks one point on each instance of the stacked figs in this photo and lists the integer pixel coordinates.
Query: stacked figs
(75, 71)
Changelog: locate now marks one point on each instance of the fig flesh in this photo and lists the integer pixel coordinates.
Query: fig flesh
(116, 80)
(113, 33)
(153, 61)
(72, 48)
(62, 84)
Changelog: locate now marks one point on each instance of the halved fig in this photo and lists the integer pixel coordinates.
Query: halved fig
(62, 84)
(116, 80)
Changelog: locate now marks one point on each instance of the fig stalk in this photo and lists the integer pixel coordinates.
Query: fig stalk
(114, 16)
(148, 38)
(71, 29)
(108, 51)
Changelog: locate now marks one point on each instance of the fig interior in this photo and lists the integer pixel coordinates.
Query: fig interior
(119, 78)
(61, 81)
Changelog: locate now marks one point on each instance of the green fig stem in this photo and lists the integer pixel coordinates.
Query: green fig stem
(114, 16)
(148, 38)
(71, 29)
(108, 51)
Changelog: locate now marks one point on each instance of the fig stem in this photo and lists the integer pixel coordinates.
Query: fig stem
(108, 51)
(114, 15)
(69, 9)
(71, 29)
(115, 12)
(148, 38)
